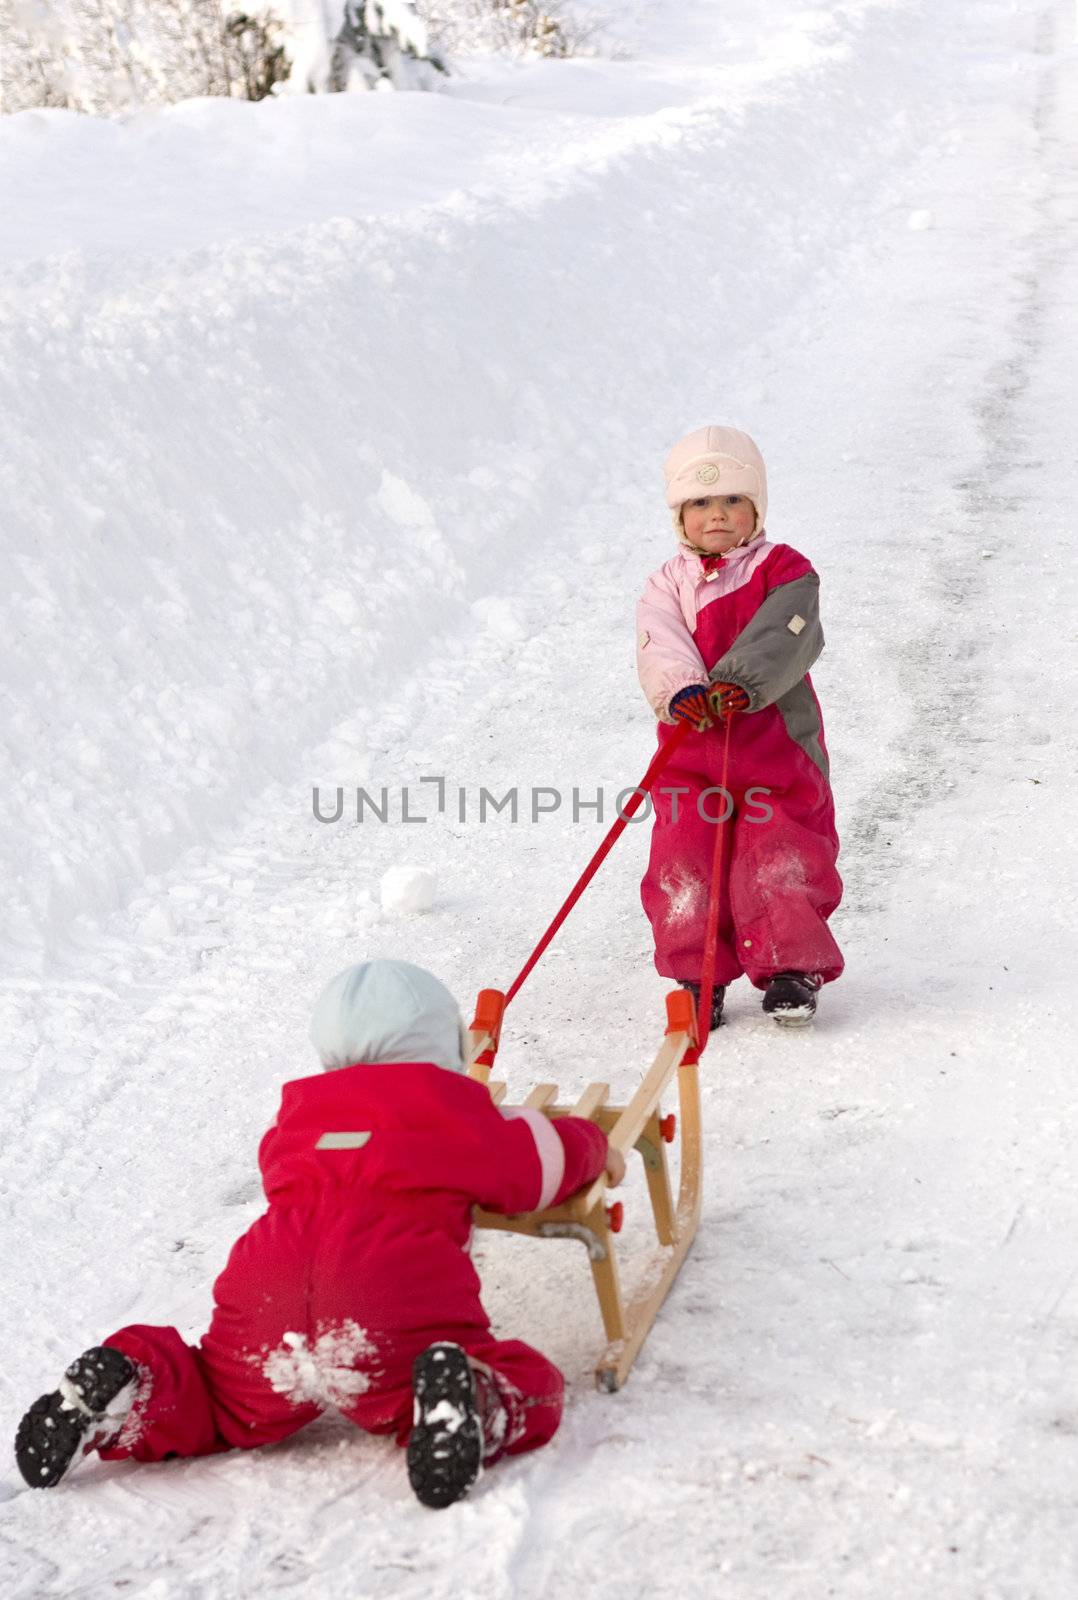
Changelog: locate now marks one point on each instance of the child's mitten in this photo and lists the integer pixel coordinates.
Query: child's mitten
(726, 697)
(691, 705)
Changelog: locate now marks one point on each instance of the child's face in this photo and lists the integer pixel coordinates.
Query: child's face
(718, 522)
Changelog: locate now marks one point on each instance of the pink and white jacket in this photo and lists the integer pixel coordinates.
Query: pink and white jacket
(667, 657)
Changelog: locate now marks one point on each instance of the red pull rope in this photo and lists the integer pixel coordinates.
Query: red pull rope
(711, 943)
(658, 762)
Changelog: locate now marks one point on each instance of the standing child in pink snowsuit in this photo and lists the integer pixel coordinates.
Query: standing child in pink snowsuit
(729, 627)
(354, 1290)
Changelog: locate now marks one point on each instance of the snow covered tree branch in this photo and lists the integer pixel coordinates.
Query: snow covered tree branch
(114, 55)
(514, 27)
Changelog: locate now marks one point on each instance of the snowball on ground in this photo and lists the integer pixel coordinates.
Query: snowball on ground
(407, 889)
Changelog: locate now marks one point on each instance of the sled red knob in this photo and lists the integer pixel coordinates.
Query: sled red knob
(681, 1008)
(668, 1127)
(489, 1010)
(615, 1216)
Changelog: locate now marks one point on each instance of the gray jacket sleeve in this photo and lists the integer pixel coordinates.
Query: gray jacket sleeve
(773, 652)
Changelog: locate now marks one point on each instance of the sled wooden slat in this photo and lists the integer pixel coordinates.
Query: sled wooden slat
(594, 1096)
(587, 1216)
(605, 1116)
(652, 1148)
(541, 1096)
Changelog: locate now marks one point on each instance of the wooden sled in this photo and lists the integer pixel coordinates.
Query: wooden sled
(586, 1215)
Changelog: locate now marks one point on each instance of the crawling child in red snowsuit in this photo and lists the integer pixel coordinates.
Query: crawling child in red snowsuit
(729, 629)
(354, 1289)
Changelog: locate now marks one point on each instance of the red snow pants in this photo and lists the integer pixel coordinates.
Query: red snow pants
(779, 879)
(198, 1401)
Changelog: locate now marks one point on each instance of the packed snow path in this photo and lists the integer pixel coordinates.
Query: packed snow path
(358, 497)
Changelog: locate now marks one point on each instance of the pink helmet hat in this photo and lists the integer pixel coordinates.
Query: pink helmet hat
(715, 460)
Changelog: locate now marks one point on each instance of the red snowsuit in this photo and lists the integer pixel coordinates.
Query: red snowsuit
(360, 1262)
(754, 622)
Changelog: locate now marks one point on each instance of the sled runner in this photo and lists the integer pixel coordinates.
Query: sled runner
(586, 1216)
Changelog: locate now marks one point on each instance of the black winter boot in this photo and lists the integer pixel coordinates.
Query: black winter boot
(445, 1451)
(790, 998)
(718, 995)
(89, 1408)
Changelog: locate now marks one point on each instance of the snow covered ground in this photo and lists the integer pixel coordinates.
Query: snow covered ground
(330, 456)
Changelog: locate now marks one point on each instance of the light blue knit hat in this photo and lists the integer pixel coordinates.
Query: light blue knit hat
(382, 1011)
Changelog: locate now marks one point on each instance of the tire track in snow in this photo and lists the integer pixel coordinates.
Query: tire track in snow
(945, 669)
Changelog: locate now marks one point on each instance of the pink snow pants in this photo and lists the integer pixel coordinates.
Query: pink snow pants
(198, 1401)
(779, 878)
